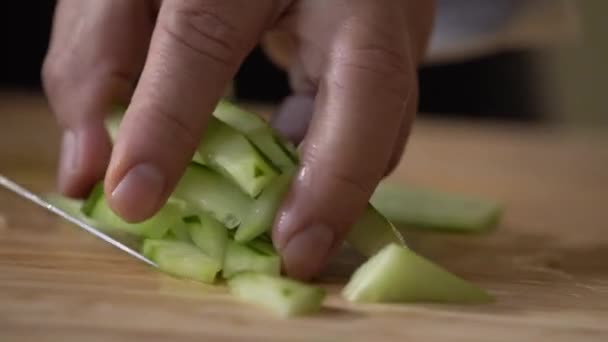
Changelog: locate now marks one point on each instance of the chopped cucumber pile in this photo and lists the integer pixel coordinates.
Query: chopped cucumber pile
(217, 224)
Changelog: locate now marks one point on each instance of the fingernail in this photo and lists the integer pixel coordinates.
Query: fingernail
(68, 162)
(137, 194)
(306, 251)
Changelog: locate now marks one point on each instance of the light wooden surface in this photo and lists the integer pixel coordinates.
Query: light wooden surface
(547, 264)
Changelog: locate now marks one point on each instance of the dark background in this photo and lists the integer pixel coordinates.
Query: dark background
(459, 89)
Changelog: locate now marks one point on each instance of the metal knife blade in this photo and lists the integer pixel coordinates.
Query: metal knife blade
(32, 197)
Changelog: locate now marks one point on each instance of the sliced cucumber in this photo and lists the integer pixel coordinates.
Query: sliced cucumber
(258, 132)
(264, 209)
(283, 296)
(112, 123)
(416, 207)
(229, 153)
(209, 193)
(372, 232)
(263, 246)
(397, 274)
(97, 209)
(70, 206)
(179, 232)
(242, 258)
(181, 260)
(210, 236)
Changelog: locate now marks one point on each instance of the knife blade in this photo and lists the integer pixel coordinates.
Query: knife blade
(40, 201)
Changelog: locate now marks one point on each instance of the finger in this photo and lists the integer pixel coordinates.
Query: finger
(360, 108)
(196, 49)
(96, 51)
(292, 118)
(411, 109)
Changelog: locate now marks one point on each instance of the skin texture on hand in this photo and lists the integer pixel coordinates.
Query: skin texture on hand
(352, 67)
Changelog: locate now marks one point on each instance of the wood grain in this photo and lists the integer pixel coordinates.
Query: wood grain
(547, 264)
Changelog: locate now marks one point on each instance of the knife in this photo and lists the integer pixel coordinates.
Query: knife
(32, 197)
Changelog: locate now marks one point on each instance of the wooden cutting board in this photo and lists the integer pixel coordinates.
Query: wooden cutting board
(547, 264)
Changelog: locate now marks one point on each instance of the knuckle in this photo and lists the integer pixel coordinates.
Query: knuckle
(352, 185)
(51, 73)
(173, 127)
(205, 32)
(389, 67)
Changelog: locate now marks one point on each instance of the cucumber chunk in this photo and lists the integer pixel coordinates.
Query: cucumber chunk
(397, 274)
(258, 132)
(207, 192)
(415, 207)
(179, 232)
(263, 247)
(112, 123)
(97, 209)
(229, 153)
(264, 209)
(210, 236)
(283, 296)
(70, 206)
(181, 260)
(372, 232)
(242, 258)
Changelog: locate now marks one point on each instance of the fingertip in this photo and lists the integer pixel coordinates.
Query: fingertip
(306, 253)
(138, 194)
(84, 156)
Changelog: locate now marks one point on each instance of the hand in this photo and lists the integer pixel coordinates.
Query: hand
(172, 59)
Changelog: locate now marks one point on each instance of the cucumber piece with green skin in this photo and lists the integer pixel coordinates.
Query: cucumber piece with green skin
(71, 206)
(263, 210)
(207, 192)
(112, 123)
(210, 236)
(396, 274)
(242, 258)
(263, 246)
(283, 296)
(278, 151)
(182, 260)
(96, 208)
(418, 208)
(372, 232)
(229, 153)
(179, 232)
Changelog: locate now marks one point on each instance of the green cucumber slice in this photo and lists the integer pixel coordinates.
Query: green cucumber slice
(210, 236)
(70, 206)
(207, 192)
(229, 153)
(372, 232)
(242, 258)
(264, 209)
(283, 296)
(397, 274)
(179, 232)
(112, 123)
(263, 247)
(258, 132)
(97, 209)
(181, 260)
(419, 208)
